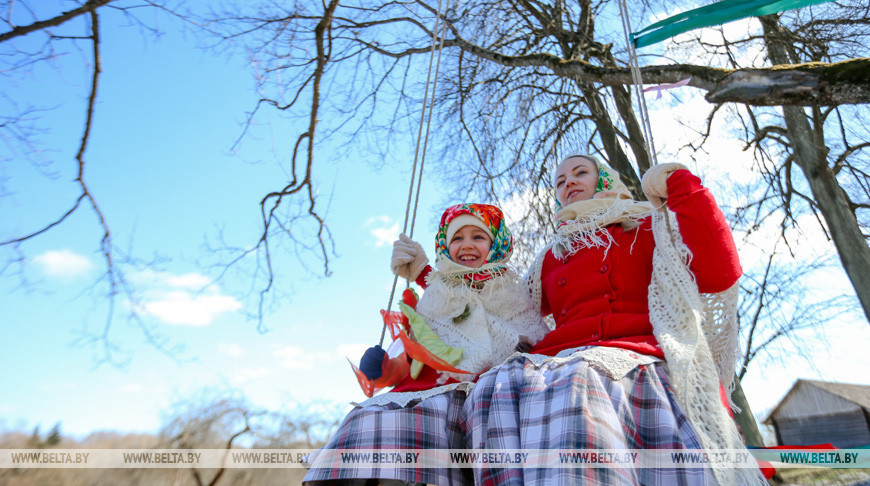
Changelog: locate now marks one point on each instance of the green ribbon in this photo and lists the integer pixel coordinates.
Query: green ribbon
(713, 14)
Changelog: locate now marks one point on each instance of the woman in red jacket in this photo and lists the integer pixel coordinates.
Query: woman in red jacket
(633, 362)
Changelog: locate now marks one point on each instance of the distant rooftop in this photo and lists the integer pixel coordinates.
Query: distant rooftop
(857, 394)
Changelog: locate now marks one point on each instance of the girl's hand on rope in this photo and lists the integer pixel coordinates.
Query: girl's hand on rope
(409, 259)
(655, 183)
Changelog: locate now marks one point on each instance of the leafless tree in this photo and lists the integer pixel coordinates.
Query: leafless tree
(211, 420)
(776, 302)
(29, 40)
(813, 159)
(519, 82)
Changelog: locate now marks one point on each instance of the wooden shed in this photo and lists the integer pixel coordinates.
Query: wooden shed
(821, 412)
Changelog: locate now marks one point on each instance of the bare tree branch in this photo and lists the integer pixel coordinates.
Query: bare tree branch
(89, 7)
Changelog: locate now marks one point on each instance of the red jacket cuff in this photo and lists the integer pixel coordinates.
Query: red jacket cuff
(421, 280)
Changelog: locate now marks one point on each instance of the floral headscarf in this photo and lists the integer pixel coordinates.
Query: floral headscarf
(499, 253)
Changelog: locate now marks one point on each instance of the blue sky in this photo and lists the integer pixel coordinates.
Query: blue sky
(160, 166)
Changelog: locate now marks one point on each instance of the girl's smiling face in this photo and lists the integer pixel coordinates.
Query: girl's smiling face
(576, 180)
(470, 246)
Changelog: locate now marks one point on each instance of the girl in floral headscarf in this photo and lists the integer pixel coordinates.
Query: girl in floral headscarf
(473, 301)
(479, 311)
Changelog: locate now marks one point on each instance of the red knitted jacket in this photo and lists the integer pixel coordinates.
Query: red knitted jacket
(599, 297)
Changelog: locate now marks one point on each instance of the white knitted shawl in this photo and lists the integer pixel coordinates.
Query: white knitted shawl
(697, 334)
(486, 323)
(499, 315)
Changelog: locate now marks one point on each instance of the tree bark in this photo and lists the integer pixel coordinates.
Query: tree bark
(808, 84)
(609, 139)
(53, 22)
(810, 155)
(745, 419)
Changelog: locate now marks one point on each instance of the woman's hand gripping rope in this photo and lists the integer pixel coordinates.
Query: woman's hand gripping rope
(655, 183)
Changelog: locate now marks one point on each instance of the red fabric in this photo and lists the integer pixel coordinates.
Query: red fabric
(399, 327)
(723, 397)
(601, 299)
(395, 322)
(705, 231)
(393, 369)
(428, 379)
(421, 280)
(767, 468)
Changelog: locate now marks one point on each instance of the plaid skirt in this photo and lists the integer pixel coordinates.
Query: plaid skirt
(433, 423)
(561, 404)
(567, 404)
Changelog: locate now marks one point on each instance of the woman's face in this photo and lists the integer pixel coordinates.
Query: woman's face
(470, 246)
(576, 180)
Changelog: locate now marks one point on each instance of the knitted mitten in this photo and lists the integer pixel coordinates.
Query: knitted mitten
(409, 259)
(655, 182)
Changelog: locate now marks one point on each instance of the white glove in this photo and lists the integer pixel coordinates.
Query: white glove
(409, 259)
(655, 182)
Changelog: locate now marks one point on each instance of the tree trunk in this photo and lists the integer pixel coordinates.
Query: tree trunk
(810, 155)
(744, 418)
(636, 140)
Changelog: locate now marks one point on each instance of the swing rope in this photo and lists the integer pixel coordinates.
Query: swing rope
(418, 154)
(637, 84)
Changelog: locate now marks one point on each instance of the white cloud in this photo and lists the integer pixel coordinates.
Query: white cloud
(193, 281)
(383, 229)
(351, 351)
(232, 350)
(296, 358)
(245, 375)
(132, 388)
(63, 264)
(189, 299)
(184, 308)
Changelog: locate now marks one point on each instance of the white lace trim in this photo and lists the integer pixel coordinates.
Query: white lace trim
(404, 398)
(613, 362)
(687, 332)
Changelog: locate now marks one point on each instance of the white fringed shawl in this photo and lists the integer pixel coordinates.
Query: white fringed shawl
(698, 334)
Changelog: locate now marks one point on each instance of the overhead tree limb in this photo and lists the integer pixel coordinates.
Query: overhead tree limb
(89, 6)
(846, 82)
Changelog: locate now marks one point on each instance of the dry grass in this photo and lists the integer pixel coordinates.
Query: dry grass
(823, 477)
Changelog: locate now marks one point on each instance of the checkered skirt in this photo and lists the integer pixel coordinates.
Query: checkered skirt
(559, 404)
(433, 423)
(568, 404)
